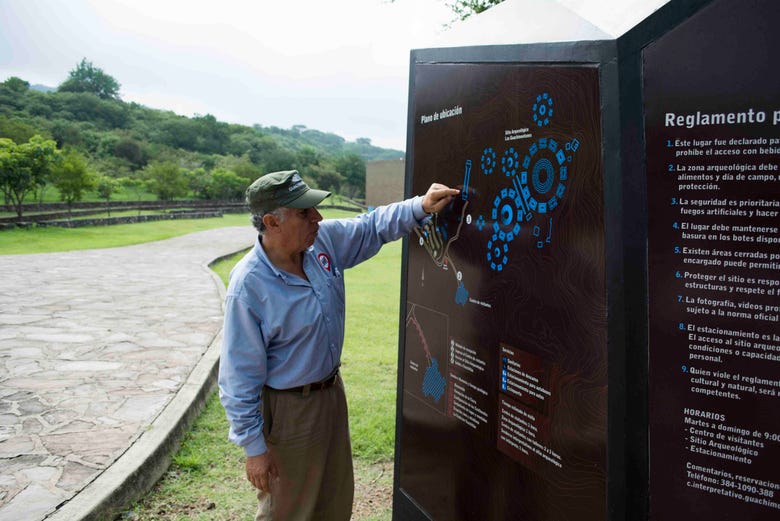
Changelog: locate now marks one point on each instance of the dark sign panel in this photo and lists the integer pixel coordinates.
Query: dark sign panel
(504, 398)
(712, 102)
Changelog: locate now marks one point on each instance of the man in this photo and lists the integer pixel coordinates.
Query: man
(283, 335)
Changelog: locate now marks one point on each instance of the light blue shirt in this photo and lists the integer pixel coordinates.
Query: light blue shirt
(283, 331)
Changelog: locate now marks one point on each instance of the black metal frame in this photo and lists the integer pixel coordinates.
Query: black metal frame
(625, 211)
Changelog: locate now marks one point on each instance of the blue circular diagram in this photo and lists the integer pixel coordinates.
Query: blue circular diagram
(543, 176)
(488, 161)
(543, 109)
(544, 187)
(497, 253)
(510, 162)
(507, 214)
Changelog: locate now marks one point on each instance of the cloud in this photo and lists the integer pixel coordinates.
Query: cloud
(339, 66)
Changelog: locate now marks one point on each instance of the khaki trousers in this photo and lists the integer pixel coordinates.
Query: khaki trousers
(308, 438)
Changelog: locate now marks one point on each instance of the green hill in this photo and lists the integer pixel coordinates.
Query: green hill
(122, 140)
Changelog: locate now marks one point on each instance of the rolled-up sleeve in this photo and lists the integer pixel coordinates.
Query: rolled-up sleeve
(242, 375)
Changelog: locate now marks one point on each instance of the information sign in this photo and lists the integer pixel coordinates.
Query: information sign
(504, 370)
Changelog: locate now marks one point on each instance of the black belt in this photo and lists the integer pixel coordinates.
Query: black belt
(306, 389)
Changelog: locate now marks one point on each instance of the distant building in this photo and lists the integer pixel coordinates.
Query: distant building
(384, 181)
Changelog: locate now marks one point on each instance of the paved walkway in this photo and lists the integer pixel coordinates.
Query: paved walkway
(102, 353)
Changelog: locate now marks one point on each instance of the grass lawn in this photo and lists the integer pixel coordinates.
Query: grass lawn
(52, 239)
(206, 479)
(371, 352)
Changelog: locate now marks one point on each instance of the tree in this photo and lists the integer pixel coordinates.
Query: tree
(13, 93)
(106, 186)
(25, 168)
(180, 132)
(226, 185)
(15, 129)
(15, 84)
(88, 78)
(105, 114)
(198, 180)
(353, 169)
(252, 143)
(466, 8)
(278, 159)
(242, 167)
(7, 149)
(131, 150)
(213, 135)
(166, 180)
(326, 176)
(72, 178)
(66, 133)
(136, 184)
(307, 155)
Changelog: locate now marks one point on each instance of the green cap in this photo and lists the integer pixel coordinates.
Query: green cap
(277, 189)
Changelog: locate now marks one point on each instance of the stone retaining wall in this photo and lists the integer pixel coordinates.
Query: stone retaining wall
(106, 221)
(129, 219)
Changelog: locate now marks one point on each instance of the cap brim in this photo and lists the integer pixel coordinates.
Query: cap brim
(310, 198)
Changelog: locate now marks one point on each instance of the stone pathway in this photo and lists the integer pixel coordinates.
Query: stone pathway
(93, 345)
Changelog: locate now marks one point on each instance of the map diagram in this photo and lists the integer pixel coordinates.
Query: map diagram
(426, 338)
(436, 238)
(534, 187)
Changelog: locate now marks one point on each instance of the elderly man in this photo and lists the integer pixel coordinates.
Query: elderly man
(283, 335)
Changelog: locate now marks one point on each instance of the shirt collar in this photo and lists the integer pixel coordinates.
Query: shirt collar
(263, 256)
(260, 253)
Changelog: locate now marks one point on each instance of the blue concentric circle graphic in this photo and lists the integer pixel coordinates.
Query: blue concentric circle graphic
(544, 175)
(507, 214)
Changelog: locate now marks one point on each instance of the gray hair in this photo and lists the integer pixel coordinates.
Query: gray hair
(257, 219)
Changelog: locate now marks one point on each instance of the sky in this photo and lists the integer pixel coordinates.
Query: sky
(339, 66)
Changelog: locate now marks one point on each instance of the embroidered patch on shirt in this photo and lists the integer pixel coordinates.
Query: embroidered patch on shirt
(324, 261)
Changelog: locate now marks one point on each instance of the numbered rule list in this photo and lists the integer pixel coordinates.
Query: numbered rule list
(714, 282)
